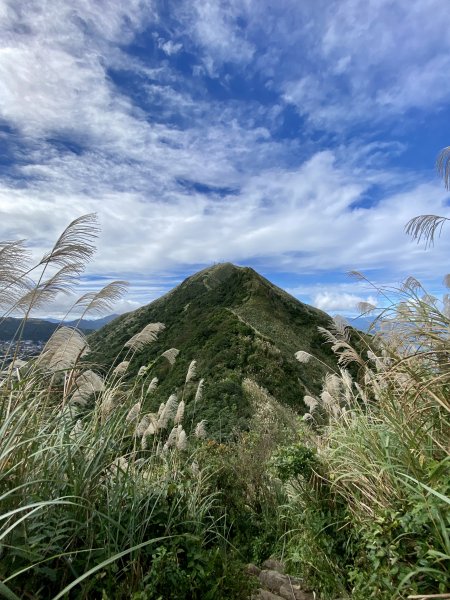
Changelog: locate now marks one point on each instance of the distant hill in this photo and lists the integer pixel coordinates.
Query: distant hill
(236, 324)
(40, 330)
(88, 324)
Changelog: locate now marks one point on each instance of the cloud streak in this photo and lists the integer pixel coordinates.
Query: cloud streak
(121, 110)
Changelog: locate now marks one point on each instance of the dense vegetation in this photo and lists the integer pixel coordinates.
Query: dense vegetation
(235, 324)
(104, 495)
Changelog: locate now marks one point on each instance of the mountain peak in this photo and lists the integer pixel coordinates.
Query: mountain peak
(237, 325)
(216, 274)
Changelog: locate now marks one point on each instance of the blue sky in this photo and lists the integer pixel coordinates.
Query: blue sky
(294, 137)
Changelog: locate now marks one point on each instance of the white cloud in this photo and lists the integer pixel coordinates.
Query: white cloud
(169, 47)
(337, 62)
(303, 212)
(341, 302)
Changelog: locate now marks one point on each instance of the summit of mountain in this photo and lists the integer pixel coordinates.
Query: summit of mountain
(236, 324)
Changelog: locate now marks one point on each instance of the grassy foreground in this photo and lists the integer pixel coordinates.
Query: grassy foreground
(102, 498)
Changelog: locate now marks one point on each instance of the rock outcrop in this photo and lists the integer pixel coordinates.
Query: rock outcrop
(275, 584)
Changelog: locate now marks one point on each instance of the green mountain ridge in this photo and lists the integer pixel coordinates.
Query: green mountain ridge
(236, 325)
(40, 330)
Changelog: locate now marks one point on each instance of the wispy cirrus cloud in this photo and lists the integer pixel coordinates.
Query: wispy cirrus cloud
(176, 127)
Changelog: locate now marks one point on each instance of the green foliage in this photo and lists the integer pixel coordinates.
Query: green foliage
(372, 517)
(235, 324)
(296, 460)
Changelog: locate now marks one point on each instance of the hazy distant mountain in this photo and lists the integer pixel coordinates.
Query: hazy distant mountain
(41, 329)
(362, 323)
(236, 324)
(88, 324)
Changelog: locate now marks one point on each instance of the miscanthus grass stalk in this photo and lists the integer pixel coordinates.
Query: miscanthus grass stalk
(83, 495)
(383, 430)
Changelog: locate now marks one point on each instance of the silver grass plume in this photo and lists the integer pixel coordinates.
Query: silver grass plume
(14, 261)
(87, 383)
(161, 408)
(171, 355)
(199, 392)
(192, 370)
(142, 371)
(425, 227)
(62, 351)
(173, 438)
(61, 282)
(77, 430)
(142, 426)
(109, 402)
(152, 428)
(365, 308)
(182, 440)
(144, 337)
(168, 412)
(379, 363)
(327, 399)
(75, 244)
(333, 384)
(311, 403)
(443, 165)
(104, 300)
(200, 429)
(307, 417)
(121, 367)
(133, 413)
(411, 284)
(341, 327)
(302, 356)
(180, 413)
(153, 385)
